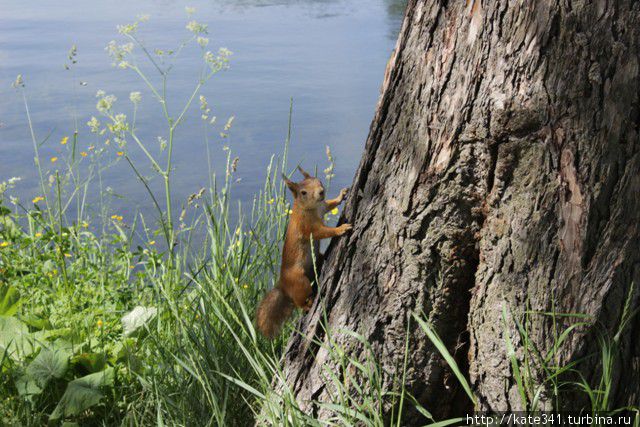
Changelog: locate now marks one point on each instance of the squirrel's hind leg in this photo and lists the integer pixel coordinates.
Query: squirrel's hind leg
(299, 290)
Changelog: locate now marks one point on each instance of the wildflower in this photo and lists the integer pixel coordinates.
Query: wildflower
(64, 140)
(245, 286)
(119, 124)
(334, 211)
(84, 224)
(119, 52)
(270, 201)
(202, 41)
(127, 28)
(67, 255)
(116, 217)
(152, 242)
(37, 199)
(99, 323)
(196, 27)
(4, 244)
(94, 125)
(238, 231)
(190, 10)
(120, 153)
(38, 235)
(105, 103)
(135, 97)
(83, 154)
(54, 159)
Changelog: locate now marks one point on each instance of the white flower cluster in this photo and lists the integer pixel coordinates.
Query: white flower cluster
(197, 28)
(135, 97)
(220, 61)
(105, 102)
(8, 184)
(94, 125)
(119, 53)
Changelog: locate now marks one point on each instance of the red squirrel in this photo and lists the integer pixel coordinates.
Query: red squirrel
(297, 272)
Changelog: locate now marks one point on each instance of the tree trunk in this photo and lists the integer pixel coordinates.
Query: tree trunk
(501, 170)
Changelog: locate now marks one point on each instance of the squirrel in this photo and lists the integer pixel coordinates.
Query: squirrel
(297, 270)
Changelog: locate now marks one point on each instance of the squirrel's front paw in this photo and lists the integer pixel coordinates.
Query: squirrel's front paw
(344, 228)
(343, 193)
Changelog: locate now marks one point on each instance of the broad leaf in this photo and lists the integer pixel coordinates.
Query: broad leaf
(15, 340)
(47, 365)
(83, 393)
(26, 386)
(9, 300)
(137, 318)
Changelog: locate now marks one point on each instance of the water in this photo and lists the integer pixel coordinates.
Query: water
(329, 56)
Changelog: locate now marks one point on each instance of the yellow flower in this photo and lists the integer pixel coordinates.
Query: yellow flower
(116, 217)
(99, 323)
(37, 199)
(54, 159)
(67, 255)
(270, 201)
(334, 211)
(4, 244)
(131, 267)
(245, 286)
(38, 234)
(64, 140)
(120, 153)
(83, 153)
(85, 224)
(153, 242)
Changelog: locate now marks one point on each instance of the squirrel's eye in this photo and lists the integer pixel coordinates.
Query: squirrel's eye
(303, 192)
(322, 192)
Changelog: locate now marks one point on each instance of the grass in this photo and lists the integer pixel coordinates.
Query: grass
(106, 320)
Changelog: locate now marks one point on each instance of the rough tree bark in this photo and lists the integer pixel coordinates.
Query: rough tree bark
(501, 168)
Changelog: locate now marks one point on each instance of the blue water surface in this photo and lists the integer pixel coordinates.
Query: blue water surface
(328, 56)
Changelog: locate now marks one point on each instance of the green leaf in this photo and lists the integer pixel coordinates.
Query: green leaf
(9, 300)
(15, 339)
(47, 365)
(26, 386)
(137, 318)
(83, 393)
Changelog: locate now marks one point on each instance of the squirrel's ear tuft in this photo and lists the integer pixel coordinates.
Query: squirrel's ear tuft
(304, 173)
(292, 185)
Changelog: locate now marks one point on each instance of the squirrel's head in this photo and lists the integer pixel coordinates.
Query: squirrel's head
(309, 192)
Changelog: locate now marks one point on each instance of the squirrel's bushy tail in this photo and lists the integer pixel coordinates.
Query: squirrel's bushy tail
(273, 311)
